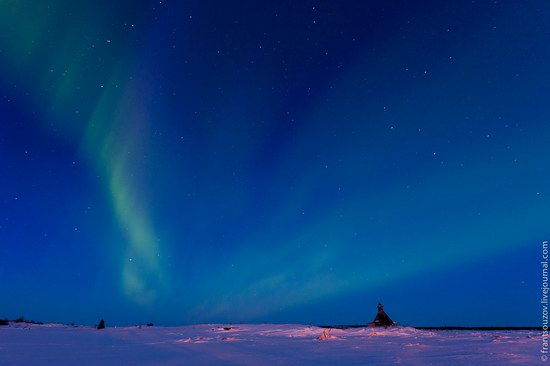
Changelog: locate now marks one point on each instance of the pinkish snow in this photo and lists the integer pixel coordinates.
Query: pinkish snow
(265, 344)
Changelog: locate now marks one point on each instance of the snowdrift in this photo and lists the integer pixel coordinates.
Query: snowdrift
(264, 344)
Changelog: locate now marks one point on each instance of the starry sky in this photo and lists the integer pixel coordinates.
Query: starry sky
(184, 162)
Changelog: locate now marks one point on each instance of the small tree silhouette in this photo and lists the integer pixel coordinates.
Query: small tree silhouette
(101, 324)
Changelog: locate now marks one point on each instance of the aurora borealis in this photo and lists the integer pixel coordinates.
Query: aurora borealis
(285, 161)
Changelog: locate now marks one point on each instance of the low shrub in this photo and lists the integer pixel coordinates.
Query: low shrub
(101, 324)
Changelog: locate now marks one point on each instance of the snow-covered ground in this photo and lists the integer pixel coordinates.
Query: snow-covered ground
(265, 344)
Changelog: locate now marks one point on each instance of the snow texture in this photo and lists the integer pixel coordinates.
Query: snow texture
(265, 344)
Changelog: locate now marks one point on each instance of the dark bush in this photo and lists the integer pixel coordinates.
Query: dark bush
(101, 324)
(21, 319)
(4, 322)
(149, 324)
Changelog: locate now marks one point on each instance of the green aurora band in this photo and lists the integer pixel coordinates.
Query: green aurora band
(113, 137)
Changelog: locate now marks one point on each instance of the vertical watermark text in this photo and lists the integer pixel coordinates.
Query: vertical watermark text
(544, 301)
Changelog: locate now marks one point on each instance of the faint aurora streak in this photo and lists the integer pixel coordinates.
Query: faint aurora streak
(115, 140)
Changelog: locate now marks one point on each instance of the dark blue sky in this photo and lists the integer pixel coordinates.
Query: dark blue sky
(286, 161)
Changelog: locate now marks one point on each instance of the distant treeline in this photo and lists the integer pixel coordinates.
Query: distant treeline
(478, 328)
(437, 328)
(21, 319)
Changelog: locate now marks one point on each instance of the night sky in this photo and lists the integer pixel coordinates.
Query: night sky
(184, 162)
